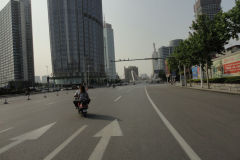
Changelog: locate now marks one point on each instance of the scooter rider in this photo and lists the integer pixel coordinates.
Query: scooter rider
(81, 96)
(76, 95)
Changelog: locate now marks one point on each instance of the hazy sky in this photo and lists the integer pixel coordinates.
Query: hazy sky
(137, 24)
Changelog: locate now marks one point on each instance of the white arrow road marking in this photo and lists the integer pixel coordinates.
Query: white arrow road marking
(5, 130)
(33, 135)
(117, 99)
(65, 143)
(111, 130)
(185, 146)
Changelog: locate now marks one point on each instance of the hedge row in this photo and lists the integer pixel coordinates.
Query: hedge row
(230, 80)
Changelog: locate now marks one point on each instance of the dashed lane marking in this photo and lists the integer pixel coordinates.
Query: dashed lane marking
(117, 99)
(65, 143)
(5, 130)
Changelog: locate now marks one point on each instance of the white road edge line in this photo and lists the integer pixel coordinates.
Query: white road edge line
(65, 143)
(185, 146)
(5, 130)
(117, 99)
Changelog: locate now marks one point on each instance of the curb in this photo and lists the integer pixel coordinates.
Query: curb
(210, 90)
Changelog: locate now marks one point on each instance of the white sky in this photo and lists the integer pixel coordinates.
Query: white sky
(137, 24)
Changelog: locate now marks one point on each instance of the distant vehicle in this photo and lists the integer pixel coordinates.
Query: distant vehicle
(74, 87)
(44, 90)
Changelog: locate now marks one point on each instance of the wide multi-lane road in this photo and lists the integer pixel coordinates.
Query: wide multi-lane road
(124, 123)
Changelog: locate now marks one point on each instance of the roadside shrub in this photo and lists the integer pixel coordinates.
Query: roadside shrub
(229, 80)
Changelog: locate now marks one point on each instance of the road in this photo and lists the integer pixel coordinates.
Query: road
(157, 122)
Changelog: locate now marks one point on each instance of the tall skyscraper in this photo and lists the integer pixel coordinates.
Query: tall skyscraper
(16, 44)
(207, 7)
(76, 35)
(156, 66)
(109, 51)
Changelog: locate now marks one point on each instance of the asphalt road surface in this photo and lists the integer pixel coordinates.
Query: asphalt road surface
(125, 123)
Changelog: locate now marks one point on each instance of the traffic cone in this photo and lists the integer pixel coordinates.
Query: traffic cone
(5, 102)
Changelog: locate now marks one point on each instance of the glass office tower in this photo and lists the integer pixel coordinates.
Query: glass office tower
(207, 7)
(16, 44)
(109, 52)
(76, 35)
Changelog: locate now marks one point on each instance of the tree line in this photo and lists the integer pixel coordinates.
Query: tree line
(207, 37)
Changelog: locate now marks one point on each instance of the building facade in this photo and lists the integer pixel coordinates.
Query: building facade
(38, 79)
(131, 73)
(156, 66)
(76, 35)
(163, 53)
(207, 7)
(44, 79)
(16, 44)
(109, 51)
(227, 65)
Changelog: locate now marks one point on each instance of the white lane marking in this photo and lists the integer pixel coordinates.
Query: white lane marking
(65, 143)
(117, 99)
(111, 130)
(51, 103)
(5, 130)
(185, 146)
(33, 135)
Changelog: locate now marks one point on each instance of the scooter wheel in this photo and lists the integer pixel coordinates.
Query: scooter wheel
(84, 115)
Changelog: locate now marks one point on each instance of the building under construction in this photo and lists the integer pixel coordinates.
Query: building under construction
(131, 73)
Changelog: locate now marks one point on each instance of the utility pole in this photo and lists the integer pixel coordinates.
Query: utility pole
(88, 82)
(47, 70)
(201, 75)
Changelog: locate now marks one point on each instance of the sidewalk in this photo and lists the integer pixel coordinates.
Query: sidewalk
(220, 90)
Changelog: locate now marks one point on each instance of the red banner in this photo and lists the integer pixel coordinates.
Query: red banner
(232, 68)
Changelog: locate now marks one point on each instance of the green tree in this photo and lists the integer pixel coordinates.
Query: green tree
(211, 37)
(233, 16)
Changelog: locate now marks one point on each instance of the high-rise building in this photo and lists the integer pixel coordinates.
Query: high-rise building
(38, 79)
(163, 53)
(156, 66)
(207, 7)
(131, 73)
(109, 51)
(16, 44)
(76, 35)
